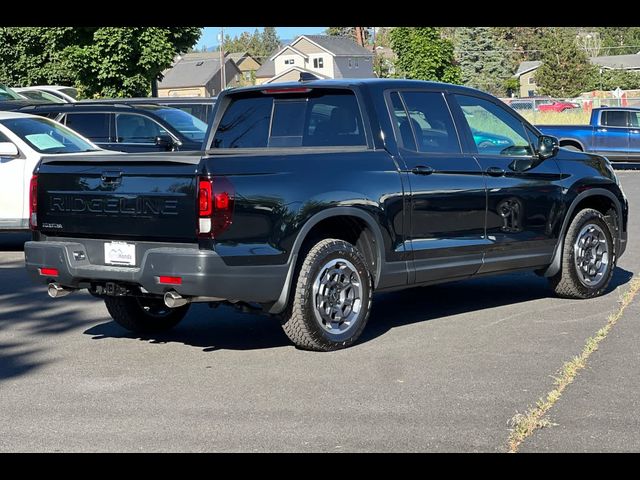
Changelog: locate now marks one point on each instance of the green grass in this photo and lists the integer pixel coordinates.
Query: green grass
(524, 424)
(577, 117)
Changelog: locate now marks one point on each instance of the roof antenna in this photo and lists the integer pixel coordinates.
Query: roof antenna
(307, 76)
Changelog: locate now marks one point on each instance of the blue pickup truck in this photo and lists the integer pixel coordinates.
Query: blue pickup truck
(612, 131)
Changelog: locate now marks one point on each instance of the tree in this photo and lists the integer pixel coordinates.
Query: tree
(483, 61)
(349, 32)
(270, 41)
(34, 55)
(565, 70)
(99, 61)
(523, 43)
(619, 40)
(423, 54)
(612, 79)
(260, 45)
(383, 38)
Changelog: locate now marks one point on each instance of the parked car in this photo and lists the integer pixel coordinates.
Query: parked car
(64, 93)
(557, 106)
(612, 131)
(313, 195)
(528, 104)
(39, 95)
(7, 93)
(129, 128)
(24, 141)
(199, 107)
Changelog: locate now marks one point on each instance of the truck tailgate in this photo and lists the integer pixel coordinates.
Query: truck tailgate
(134, 197)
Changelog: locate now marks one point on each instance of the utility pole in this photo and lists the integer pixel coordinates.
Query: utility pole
(223, 78)
(359, 36)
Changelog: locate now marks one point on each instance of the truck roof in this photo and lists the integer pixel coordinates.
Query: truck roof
(634, 109)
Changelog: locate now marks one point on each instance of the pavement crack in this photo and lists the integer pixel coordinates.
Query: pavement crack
(523, 425)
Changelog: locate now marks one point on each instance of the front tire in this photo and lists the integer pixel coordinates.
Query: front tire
(144, 315)
(331, 298)
(588, 257)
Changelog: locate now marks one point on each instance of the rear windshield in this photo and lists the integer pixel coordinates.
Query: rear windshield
(72, 92)
(319, 118)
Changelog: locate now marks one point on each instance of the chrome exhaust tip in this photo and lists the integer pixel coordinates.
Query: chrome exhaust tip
(56, 291)
(173, 299)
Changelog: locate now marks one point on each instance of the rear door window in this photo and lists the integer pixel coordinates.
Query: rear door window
(94, 126)
(320, 118)
(614, 118)
(430, 121)
(133, 128)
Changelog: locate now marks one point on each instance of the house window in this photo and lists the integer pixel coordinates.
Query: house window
(531, 81)
(531, 93)
(289, 61)
(350, 62)
(318, 62)
(356, 63)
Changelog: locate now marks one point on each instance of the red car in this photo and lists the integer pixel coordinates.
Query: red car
(557, 106)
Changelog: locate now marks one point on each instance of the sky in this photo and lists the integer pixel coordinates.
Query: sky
(209, 37)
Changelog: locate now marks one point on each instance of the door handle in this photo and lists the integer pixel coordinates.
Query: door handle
(601, 129)
(495, 171)
(422, 170)
(634, 131)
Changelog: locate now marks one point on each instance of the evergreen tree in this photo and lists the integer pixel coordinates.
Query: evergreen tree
(259, 45)
(483, 60)
(349, 32)
(565, 70)
(270, 41)
(619, 40)
(424, 55)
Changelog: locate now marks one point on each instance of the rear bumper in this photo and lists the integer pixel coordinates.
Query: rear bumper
(203, 272)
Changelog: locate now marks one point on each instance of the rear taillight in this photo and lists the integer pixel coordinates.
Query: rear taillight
(48, 272)
(170, 280)
(215, 206)
(33, 202)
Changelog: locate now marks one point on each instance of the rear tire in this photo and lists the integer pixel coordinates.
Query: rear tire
(588, 257)
(144, 315)
(331, 298)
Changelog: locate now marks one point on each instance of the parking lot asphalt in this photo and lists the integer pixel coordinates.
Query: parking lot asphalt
(441, 368)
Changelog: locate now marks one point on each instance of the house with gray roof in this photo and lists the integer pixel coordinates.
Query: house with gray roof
(247, 64)
(198, 75)
(326, 56)
(526, 70)
(266, 71)
(618, 62)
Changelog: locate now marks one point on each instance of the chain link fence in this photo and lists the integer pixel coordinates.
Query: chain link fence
(570, 111)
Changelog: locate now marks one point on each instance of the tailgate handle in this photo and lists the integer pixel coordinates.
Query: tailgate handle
(111, 177)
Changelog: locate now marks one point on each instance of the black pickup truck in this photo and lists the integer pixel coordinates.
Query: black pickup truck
(313, 195)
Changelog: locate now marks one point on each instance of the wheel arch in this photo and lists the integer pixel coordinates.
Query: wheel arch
(563, 142)
(591, 198)
(329, 218)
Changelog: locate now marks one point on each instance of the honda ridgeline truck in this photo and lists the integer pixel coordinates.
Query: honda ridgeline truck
(311, 196)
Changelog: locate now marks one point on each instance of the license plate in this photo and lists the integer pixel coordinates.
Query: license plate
(120, 253)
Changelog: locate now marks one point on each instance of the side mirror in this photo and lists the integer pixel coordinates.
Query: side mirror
(8, 149)
(165, 141)
(547, 146)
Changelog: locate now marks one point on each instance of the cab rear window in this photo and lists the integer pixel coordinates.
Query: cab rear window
(319, 118)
